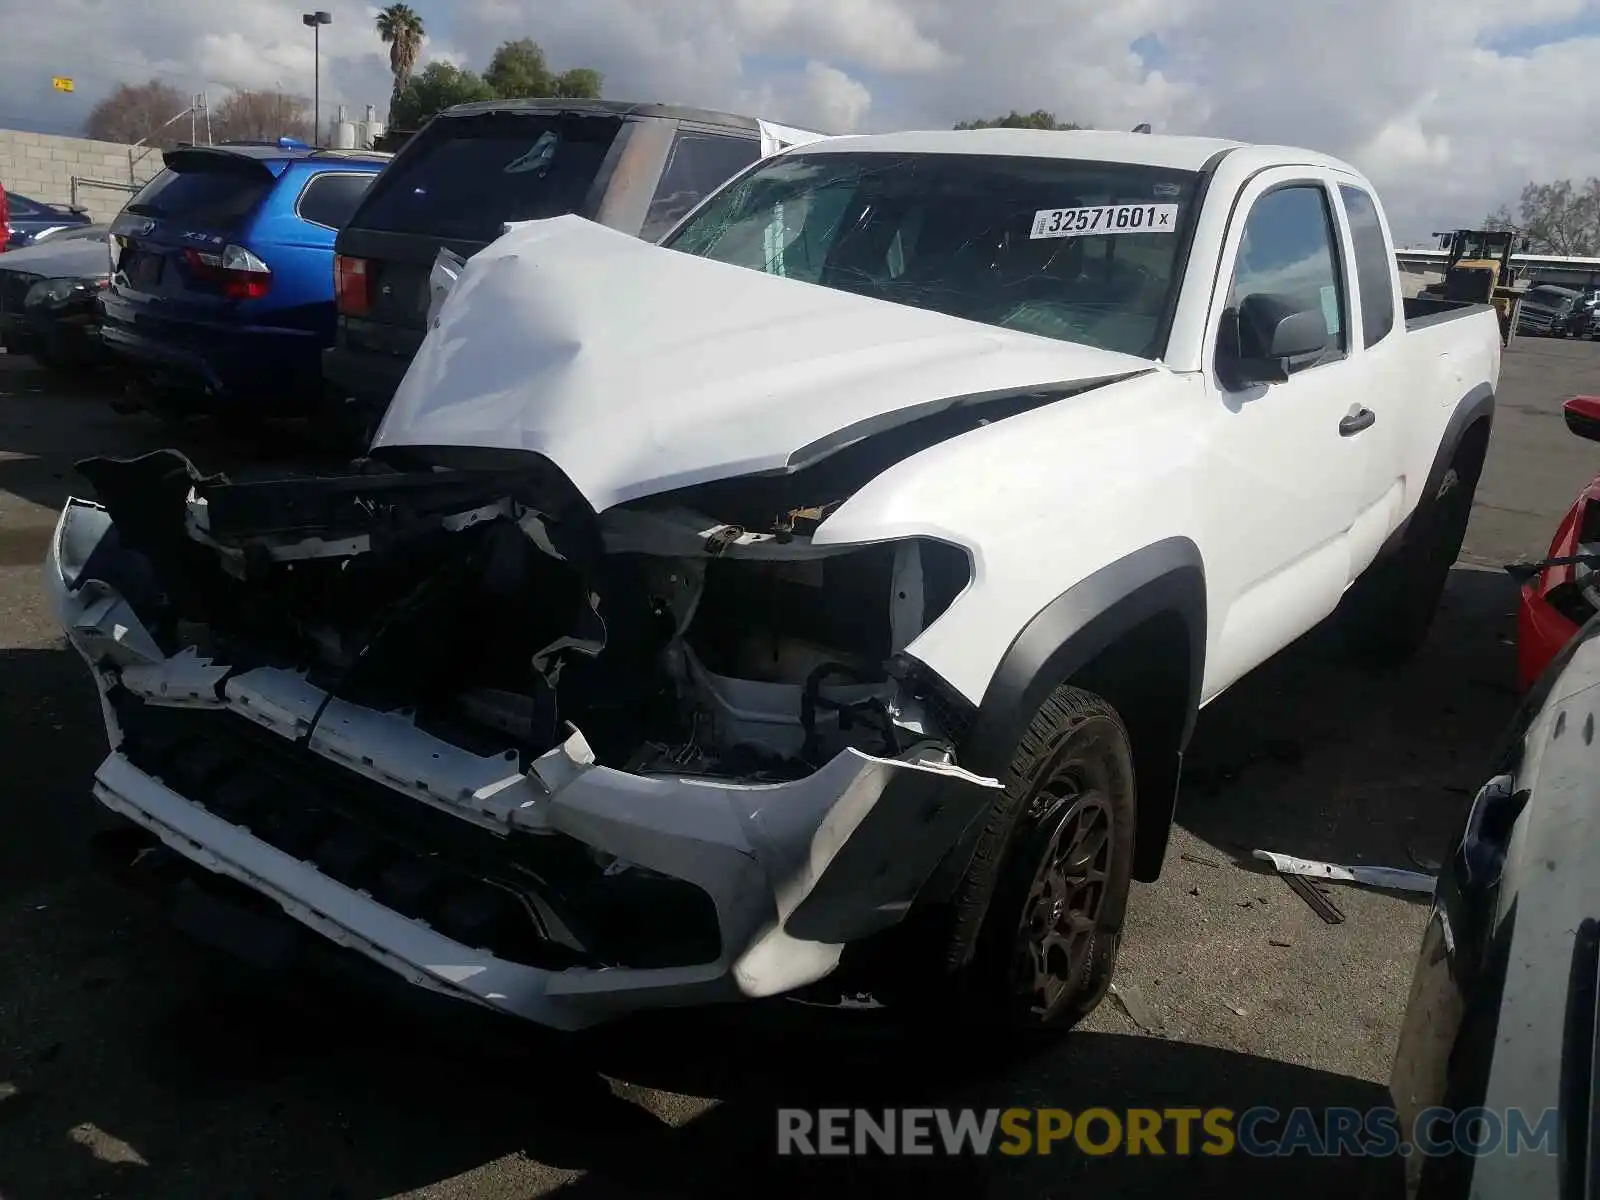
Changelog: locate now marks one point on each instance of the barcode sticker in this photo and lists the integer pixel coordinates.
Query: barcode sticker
(1104, 218)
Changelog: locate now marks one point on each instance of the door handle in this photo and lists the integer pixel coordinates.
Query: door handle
(1358, 420)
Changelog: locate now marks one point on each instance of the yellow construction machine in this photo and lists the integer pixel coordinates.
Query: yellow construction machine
(1478, 271)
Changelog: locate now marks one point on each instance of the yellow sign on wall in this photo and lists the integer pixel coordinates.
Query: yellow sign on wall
(61, 83)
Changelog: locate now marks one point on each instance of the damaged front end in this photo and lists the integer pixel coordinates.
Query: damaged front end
(565, 765)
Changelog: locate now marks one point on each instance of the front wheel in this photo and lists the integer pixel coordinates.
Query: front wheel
(1039, 910)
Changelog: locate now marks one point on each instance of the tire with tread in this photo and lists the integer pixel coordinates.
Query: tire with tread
(1074, 732)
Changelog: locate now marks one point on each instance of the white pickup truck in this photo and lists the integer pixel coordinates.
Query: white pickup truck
(815, 605)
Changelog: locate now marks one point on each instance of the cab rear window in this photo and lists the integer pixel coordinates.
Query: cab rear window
(464, 177)
(219, 199)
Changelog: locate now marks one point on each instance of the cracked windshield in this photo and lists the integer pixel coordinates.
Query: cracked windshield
(1078, 251)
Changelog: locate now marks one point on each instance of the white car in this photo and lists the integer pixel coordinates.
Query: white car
(816, 604)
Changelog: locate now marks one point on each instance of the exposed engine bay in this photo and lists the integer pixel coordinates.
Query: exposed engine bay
(496, 611)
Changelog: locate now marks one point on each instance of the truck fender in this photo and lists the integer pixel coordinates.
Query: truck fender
(1477, 405)
(1075, 639)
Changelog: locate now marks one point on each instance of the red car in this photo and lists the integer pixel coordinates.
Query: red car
(1561, 593)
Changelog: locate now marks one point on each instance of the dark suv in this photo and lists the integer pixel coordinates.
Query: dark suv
(637, 168)
(1550, 310)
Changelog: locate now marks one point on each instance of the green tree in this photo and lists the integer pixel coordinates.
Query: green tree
(401, 29)
(580, 83)
(1561, 217)
(1038, 119)
(436, 87)
(519, 68)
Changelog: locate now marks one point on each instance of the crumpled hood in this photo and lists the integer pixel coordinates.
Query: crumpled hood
(637, 369)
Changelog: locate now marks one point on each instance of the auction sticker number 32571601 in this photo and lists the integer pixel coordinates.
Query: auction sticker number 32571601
(1101, 219)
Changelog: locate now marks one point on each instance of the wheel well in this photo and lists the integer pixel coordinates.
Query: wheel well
(1145, 675)
(1132, 632)
(1472, 450)
(1143, 652)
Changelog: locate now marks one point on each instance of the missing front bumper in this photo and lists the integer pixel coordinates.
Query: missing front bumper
(556, 890)
(788, 894)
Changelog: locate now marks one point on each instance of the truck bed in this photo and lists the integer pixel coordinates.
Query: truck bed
(1423, 311)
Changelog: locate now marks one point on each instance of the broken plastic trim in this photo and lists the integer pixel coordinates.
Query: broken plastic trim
(372, 498)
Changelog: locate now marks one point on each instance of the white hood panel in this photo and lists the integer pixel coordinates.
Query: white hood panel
(638, 370)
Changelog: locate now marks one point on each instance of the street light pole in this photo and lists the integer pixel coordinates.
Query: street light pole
(316, 20)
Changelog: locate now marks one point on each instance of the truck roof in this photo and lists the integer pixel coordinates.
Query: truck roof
(1143, 149)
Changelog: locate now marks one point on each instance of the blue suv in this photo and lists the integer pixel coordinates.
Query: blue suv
(33, 221)
(221, 292)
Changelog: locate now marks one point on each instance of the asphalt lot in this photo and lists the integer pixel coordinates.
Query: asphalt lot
(132, 1064)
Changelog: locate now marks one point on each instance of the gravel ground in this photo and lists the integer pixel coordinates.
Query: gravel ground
(132, 1064)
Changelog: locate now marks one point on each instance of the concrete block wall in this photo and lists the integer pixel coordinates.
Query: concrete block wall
(42, 166)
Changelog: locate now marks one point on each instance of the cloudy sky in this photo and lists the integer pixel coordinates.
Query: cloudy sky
(1450, 105)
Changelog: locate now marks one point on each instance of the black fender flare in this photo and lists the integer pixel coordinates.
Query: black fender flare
(1477, 404)
(1164, 578)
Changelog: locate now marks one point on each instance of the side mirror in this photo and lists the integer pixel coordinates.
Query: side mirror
(1583, 416)
(1267, 338)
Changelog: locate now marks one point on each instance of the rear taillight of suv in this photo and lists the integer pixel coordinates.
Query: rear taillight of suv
(240, 273)
(350, 293)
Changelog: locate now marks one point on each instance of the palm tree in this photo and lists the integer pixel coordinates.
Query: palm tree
(401, 29)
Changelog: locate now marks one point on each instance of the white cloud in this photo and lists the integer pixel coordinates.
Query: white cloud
(1451, 105)
(816, 97)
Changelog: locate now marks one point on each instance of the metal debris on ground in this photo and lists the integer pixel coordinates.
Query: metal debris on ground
(1283, 942)
(1394, 878)
(1315, 897)
(1199, 860)
(1132, 1002)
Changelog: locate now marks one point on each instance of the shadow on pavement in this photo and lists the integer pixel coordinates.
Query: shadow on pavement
(232, 1094)
(1323, 758)
(730, 1149)
(51, 741)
